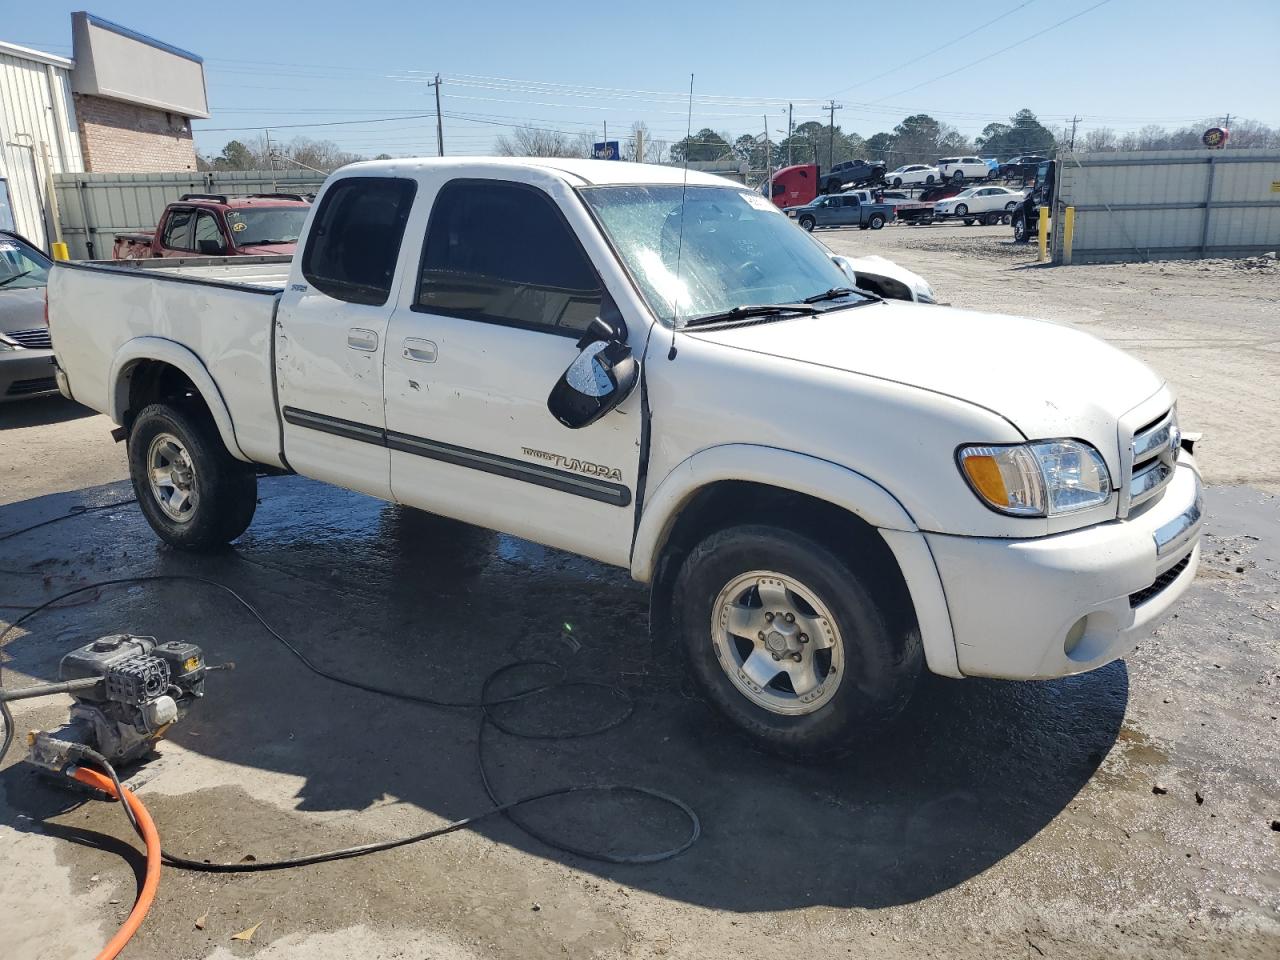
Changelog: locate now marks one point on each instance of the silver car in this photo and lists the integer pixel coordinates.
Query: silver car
(26, 353)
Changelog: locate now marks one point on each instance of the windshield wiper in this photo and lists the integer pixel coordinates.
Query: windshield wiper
(17, 276)
(835, 293)
(265, 243)
(747, 311)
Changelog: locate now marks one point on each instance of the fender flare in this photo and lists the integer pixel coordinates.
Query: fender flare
(176, 355)
(770, 466)
(823, 480)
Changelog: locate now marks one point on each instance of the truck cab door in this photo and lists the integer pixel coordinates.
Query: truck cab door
(331, 332)
(482, 334)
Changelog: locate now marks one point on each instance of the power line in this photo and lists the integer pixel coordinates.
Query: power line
(929, 53)
(1016, 43)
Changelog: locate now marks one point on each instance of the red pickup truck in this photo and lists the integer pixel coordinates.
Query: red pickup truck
(214, 225)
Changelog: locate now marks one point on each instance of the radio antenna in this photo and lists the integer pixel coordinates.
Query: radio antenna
(684, 193)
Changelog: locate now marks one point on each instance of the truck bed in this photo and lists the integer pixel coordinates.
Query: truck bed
(216, 314)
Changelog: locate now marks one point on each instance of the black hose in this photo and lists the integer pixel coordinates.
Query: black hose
(488, 719)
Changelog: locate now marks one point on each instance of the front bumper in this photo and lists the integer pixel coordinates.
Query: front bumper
(1063, 604)
(26, 373)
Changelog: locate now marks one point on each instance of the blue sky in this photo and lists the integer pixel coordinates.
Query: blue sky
(576, 66)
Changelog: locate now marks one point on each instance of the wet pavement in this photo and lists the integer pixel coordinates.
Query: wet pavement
(997, 819)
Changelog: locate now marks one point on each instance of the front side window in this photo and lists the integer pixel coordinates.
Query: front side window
(208, 236)
(723, 247)
(177, 229)
(21, 267)
(355, 239)
(503, 253)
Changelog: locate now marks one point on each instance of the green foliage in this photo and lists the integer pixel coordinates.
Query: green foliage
(1021, 135)
(706, 144)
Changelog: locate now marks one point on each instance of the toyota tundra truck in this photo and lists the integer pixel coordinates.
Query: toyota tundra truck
(829, 493)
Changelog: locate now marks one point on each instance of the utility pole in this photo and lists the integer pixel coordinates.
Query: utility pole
(439, 124)
(606, 140)
(790, 132)
(1074, 121)
(831, 139)
(768, 157)
(271, 159)
(1226, 125)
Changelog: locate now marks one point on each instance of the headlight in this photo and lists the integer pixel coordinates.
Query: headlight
(1041, 479)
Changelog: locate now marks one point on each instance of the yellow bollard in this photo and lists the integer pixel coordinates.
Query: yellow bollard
(60, 251)
(1043, 223)
(1068, 234)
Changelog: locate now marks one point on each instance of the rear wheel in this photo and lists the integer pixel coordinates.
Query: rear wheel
(991, 219)
(897, 181)
(807, 223)
(1020, 233)
(928, 180)
(192, 491)
(876, 221)
(969, 222)
(789, 643)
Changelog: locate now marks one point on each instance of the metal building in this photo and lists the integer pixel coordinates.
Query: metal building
(38, 138)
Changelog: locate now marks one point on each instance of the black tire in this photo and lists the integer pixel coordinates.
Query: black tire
(958, 176)
(224, 489)
(807, 224)
(897, 181)
(882, 664)
(928, 180)
(991, 219)
(877, 221)
(1020, 232)
(961, 209)
(1010, 206)
(969, 222)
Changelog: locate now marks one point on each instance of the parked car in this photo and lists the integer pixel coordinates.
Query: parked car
(964, 168)
(1023, 168)
(215, 225)
(794, 186)
(841, 210)
(828, 493)
(905, 208)
(912, 173)
(988, 204)
(26, 355)
(852, 173)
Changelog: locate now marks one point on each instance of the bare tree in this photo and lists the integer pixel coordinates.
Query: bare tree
(531, 141)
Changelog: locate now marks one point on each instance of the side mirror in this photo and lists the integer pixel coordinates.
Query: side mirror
(601, 376)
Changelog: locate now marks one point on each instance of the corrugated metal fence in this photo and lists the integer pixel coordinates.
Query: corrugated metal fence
(1165, 204)
(94, 207)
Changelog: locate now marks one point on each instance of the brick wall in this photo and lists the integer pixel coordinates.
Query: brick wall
(127, 138)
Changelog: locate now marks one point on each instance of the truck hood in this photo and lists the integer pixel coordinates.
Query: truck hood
(268, 250)
(1048, 380)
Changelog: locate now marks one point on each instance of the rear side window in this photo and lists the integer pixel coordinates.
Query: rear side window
(177, 229)
(355, 238)
(503, 253)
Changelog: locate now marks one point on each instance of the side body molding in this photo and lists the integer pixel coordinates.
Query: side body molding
(823, 480)
(175, 354)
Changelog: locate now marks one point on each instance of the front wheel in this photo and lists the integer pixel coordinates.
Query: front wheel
(785, 638)
(961, 209)
(807, 223)
(1019, 227)
(876, 221)
(192, 491)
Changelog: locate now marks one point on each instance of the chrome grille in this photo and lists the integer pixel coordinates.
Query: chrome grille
(37, 339)
(1154, 454)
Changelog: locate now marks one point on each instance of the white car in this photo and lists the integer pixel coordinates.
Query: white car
(964, 168)
(913, 173)
(829, 492)
(988, 204)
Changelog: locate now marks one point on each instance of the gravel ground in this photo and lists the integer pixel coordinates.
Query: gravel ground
(999, 819)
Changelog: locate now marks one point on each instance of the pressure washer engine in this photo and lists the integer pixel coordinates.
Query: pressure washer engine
(128, 692)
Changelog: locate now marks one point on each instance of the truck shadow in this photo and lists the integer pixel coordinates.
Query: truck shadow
(41, 412)
(397, 598)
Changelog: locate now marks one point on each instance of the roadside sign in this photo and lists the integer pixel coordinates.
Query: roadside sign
(1215, 138)
(606, 150)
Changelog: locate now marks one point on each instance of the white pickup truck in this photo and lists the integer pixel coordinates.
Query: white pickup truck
(828, 492)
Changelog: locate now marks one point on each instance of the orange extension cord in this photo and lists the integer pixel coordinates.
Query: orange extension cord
(147, 827)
